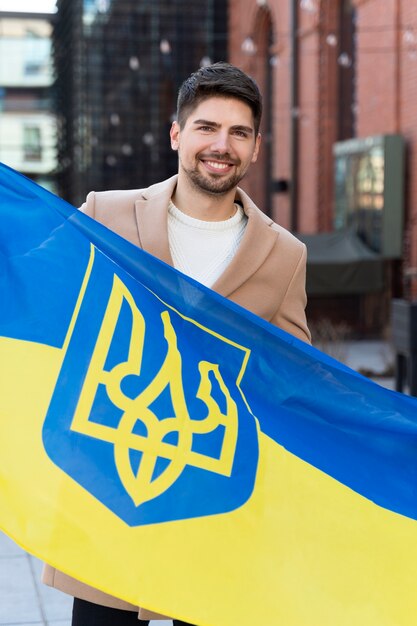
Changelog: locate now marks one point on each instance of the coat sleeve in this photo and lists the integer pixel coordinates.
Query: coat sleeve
(291, 315)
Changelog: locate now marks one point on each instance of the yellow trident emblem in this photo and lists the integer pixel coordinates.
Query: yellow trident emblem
(142, 485)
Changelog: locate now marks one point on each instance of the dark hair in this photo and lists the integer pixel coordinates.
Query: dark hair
(218, 79)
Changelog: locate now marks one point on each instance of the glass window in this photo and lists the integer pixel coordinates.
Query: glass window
(32, 148)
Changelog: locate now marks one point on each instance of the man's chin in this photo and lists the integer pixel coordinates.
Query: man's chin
(215, 185)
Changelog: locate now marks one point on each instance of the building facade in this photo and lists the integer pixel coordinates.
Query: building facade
(335, 70)
(302, 54)
(27, 119)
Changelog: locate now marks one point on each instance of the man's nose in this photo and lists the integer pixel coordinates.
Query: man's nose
(221, 143)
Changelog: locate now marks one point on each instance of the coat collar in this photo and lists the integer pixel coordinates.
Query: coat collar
(257, 242)
(151, 216)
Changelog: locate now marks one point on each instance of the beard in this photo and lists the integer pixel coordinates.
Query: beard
(214, 184)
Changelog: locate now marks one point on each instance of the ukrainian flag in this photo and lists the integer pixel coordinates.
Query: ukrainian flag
(166, 446)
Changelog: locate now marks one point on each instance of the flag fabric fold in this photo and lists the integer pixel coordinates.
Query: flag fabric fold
(170, 448)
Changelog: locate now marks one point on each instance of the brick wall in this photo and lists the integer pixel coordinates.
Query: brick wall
(386, 100)
(245, 19)
(377, 81)
(314, 114)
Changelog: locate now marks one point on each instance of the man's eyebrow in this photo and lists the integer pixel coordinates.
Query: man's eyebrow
(206, 123)
(201, 122)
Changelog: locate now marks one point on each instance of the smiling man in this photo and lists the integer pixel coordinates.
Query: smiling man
(216, 144)
(204, 225)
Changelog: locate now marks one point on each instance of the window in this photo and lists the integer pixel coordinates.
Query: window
(34, 68)
(32, 149)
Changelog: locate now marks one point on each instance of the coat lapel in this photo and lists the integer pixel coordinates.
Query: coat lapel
(257, 242)
(151, 215)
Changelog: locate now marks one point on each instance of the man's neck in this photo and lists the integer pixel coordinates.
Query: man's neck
(202, 205)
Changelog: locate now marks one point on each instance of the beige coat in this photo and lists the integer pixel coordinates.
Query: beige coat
(266, 276)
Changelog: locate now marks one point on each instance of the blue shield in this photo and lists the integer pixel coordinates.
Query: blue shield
(154, 423)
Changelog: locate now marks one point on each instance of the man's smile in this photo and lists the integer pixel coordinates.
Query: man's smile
(217, 166)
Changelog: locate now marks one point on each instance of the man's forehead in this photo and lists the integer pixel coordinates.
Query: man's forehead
(223, 111)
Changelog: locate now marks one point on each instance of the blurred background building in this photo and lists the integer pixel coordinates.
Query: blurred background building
(119, 64)
(335, 74)
(338, 163)
(27, 119)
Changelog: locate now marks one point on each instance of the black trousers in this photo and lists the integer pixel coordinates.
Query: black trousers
(88, 614)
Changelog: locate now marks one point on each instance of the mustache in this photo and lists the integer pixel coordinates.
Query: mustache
(222, 158)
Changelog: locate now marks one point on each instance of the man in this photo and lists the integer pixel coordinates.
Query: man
(204, 225)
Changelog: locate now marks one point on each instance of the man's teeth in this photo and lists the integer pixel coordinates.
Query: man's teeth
(218, 166)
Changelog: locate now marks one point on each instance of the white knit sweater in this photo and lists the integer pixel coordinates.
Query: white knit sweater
(203, 249)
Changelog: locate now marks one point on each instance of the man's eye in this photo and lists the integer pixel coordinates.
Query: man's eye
(205, 128)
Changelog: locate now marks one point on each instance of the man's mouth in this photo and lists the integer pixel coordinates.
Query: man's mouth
(219, 167)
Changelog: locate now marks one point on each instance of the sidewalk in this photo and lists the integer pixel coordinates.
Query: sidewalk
(24, 601)
(369, 356)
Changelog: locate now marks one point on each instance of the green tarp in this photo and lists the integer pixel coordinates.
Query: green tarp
(340, 263)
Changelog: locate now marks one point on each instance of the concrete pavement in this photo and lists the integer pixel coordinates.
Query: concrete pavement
(24, 601)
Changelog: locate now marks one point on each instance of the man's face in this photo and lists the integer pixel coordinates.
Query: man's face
(216, 144)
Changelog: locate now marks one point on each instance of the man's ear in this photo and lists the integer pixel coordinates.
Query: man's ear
(257, 146)
(174, 133)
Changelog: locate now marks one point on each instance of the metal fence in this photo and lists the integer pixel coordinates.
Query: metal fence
(118, 68)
